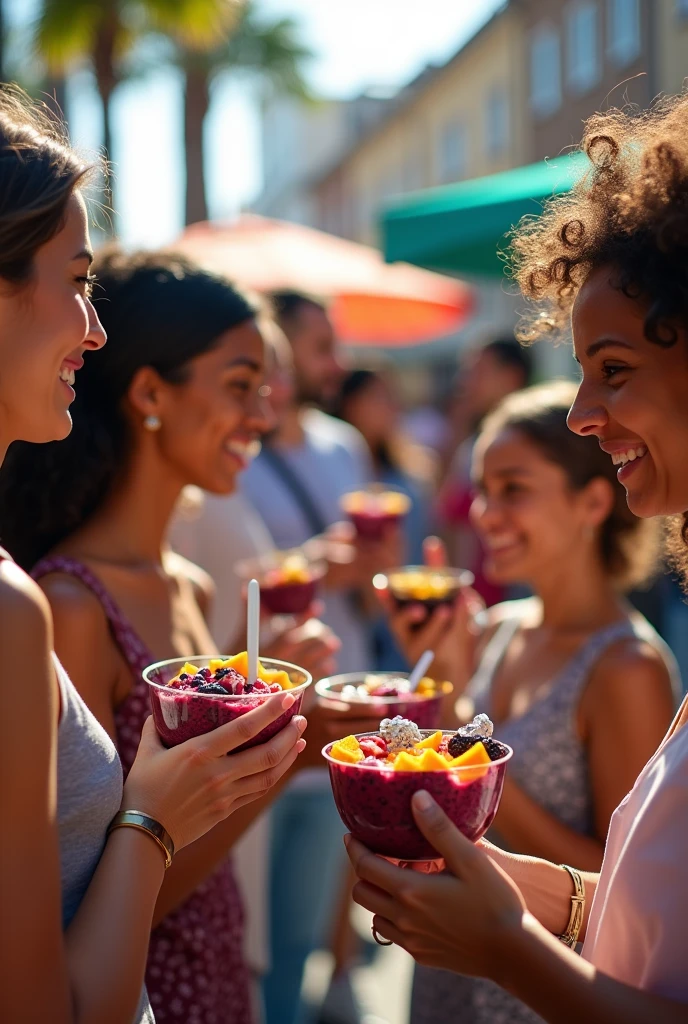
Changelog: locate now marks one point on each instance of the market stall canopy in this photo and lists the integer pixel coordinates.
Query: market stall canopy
(460, 228)
(372, 303)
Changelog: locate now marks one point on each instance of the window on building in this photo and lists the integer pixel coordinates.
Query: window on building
(582, 47)
(496, 122)
(453, 151)
(545, 71)
(623, 31)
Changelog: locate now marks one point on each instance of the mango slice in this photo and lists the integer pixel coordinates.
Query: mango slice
(190, 669)
(431, 742)
(407, 763)
(475, 755)
(348, 750)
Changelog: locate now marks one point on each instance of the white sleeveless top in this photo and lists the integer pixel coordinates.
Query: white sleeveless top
(638, 927)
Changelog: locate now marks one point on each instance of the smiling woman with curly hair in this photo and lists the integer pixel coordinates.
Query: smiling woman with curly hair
(611, 258)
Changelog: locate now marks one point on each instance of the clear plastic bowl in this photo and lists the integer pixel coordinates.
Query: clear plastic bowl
(424, 710)
(375, 803)
(181, 714)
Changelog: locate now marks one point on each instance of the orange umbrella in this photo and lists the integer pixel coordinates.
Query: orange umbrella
(372, 302)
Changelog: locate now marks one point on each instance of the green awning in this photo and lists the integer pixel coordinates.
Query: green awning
(459, 228)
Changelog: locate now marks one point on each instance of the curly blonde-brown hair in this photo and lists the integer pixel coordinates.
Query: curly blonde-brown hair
(629, 212)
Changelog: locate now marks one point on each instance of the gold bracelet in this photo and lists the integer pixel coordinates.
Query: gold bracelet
(137, 819)
(570, 936)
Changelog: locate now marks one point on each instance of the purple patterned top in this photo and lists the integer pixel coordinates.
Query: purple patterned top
(196, 972)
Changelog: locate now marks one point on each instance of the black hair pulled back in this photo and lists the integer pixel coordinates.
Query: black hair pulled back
(158, 310)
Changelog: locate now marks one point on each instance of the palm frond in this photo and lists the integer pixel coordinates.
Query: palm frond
(65, 31)
(195, 24)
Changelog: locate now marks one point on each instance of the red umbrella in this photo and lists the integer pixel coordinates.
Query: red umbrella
(372, 302)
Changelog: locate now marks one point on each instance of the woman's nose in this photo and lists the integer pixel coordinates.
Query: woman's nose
(587, 415)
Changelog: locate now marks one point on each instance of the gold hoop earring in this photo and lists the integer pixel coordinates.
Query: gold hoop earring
(152, 423)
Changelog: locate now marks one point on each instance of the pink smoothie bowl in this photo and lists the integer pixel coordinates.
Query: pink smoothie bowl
(375, 803)
(181, 714)
(424, 710)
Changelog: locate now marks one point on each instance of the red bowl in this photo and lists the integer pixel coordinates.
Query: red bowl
(424, 710)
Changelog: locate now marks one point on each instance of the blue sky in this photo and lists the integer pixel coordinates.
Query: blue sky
(358, 43)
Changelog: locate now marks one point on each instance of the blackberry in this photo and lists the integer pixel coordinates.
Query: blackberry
(212, 688)
(459, 744)
(184, 677)
(494, 748)
(220, 673)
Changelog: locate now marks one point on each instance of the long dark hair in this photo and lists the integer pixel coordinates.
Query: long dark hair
(158, 310)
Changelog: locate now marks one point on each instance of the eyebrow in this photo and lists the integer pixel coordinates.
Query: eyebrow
(598, 346)
(505, 472)
(251, 364)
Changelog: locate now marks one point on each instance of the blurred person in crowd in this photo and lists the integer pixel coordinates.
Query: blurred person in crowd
(216, 532)
(296, 483)
(367, 401)
(487, 375)
(553, 671)
(609, 261)
(175, 400)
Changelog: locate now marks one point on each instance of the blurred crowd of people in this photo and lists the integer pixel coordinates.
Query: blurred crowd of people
(213, 430)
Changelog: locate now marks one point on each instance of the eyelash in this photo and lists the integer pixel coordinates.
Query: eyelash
(610, 370)
(88, 282)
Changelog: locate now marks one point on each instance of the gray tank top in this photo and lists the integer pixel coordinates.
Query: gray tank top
(550, 763)
(89, 793)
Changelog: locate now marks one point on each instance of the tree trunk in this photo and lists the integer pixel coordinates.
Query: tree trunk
(196, 104)
(106, 80)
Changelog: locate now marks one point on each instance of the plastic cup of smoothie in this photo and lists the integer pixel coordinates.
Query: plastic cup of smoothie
(421, 584)
(181, 714)
(374, 510)
(375, 803)
(423, 708)
(288, 580)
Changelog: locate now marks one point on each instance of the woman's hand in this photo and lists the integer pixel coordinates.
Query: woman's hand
(311, 645)
(191, 787)
(451, 632)
(466, 919)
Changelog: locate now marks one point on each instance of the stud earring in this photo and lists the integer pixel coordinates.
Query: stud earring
(152, 423)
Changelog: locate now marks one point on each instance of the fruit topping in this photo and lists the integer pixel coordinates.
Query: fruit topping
(228, 678)
(348, 750)
(479, 727)
(400, 733)
(495, 749)
(432, 742)
(459, 744)
(213, 688)
(478, 756)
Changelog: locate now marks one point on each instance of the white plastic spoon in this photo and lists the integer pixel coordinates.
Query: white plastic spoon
(253, 629)
(422, 666)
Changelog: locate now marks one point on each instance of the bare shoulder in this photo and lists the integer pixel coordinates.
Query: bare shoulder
(631, 676)
(24, 611)
(72, 602)
(200, 580)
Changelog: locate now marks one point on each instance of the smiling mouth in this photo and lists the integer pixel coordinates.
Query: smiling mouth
(68, 375)
(244, 451)
(630, 455)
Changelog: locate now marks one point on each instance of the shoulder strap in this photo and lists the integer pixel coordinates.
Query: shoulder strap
(495, 650)
(296, 488)
(125, 636)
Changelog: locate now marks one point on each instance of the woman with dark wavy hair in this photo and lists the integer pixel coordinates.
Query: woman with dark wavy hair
(611, 257)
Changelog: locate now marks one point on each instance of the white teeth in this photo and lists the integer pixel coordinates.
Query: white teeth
(245, 451)
(621, 458)
(67, 375)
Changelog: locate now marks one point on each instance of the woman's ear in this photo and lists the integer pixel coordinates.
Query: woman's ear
(598, 500)
(144, 393)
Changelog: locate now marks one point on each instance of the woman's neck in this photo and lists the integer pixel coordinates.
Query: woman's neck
(577, 595)
(290, 432)
(131, 526)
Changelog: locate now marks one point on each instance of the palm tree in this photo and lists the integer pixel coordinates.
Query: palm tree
(105, 32)
(272, 51)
